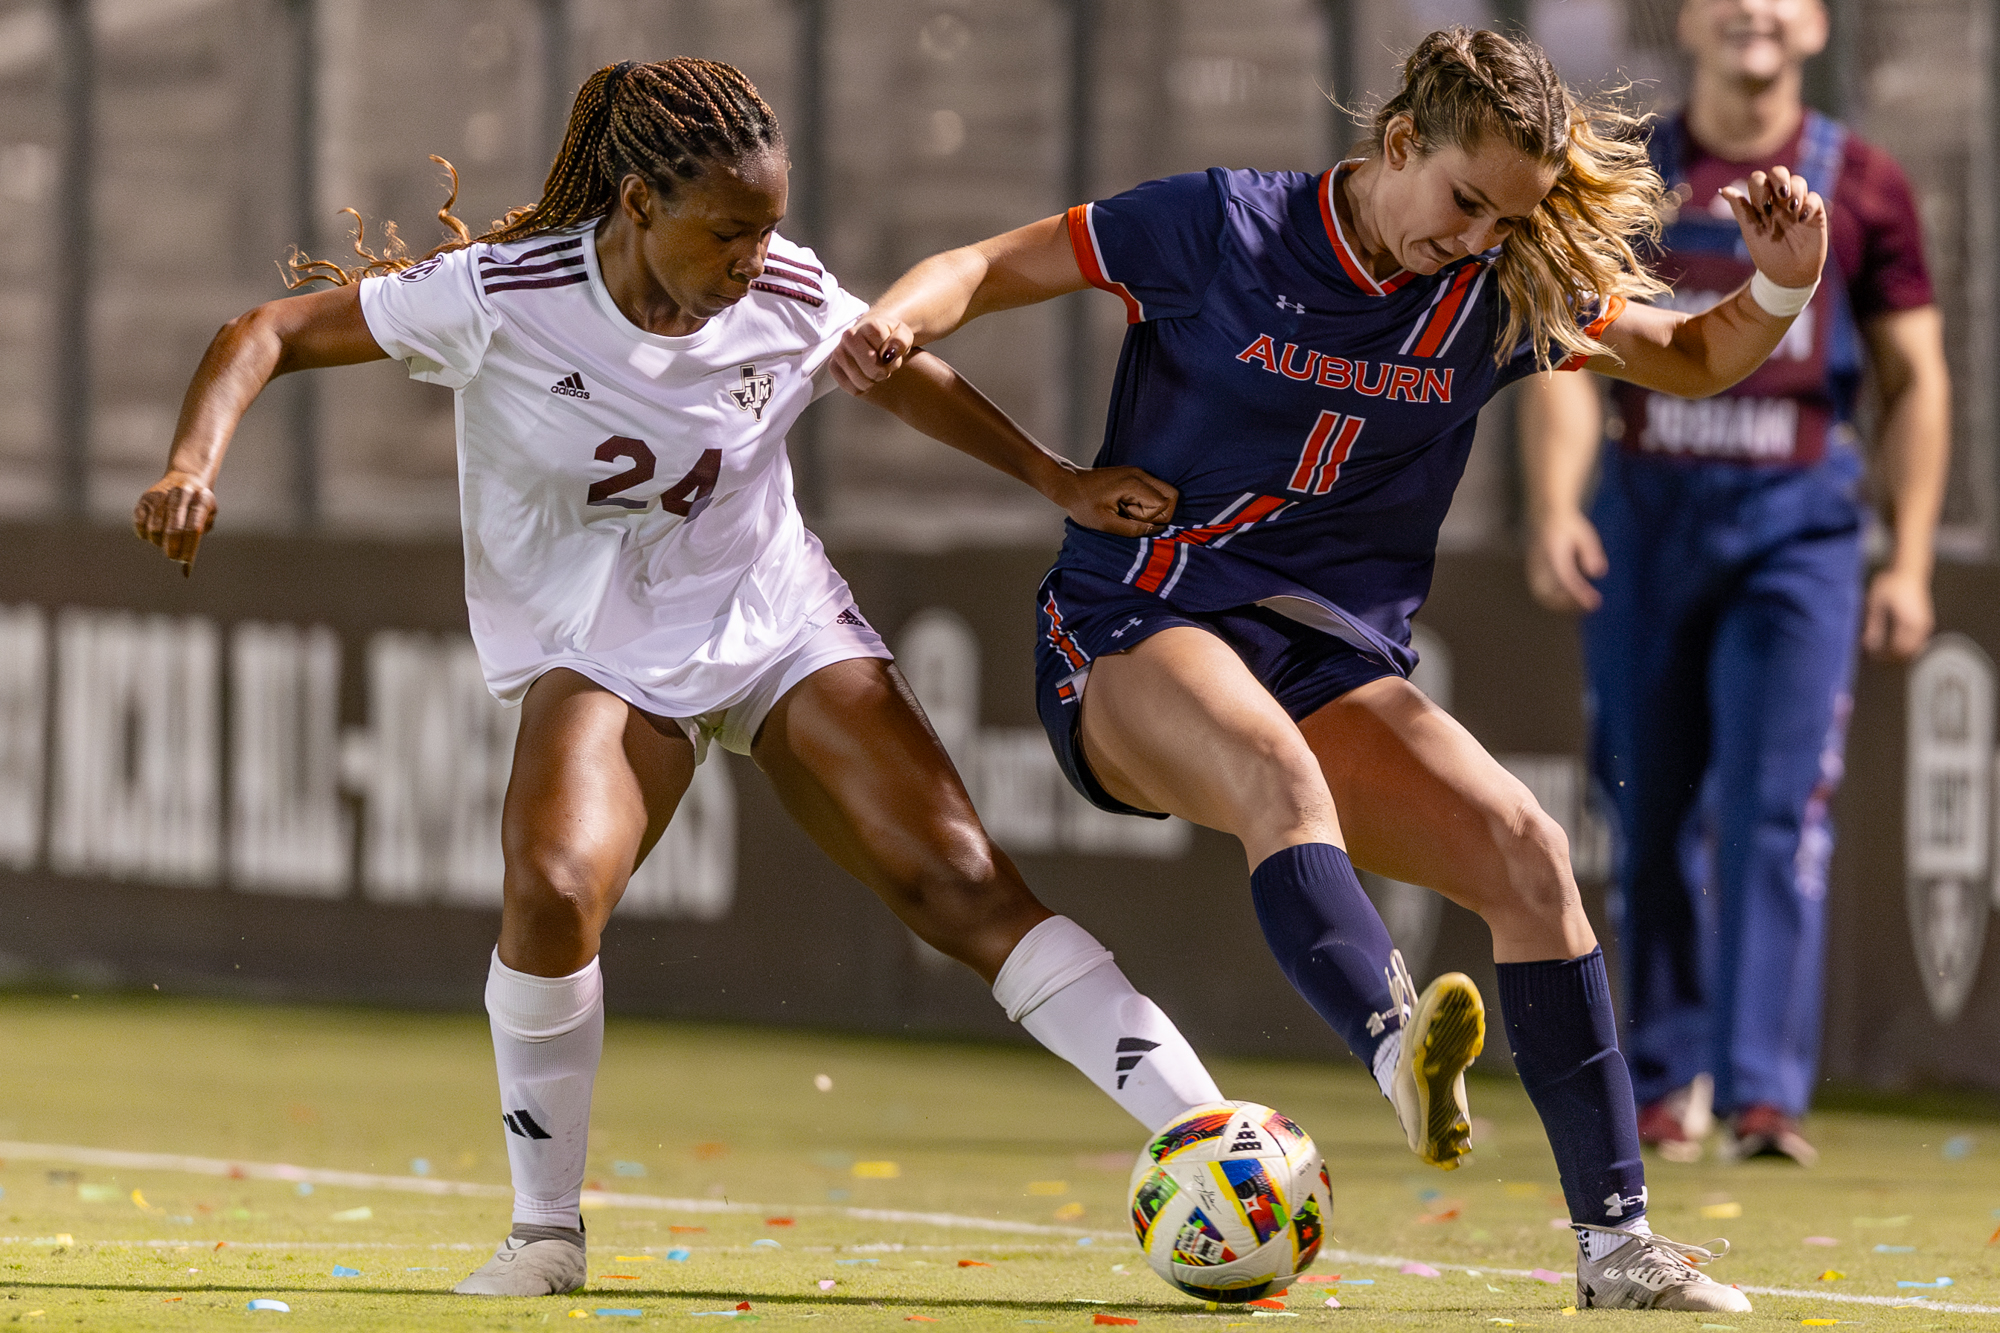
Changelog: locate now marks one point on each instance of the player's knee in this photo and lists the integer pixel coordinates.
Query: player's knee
(562, 889)
(1534, 861)
(1282, 793)
(955, 896)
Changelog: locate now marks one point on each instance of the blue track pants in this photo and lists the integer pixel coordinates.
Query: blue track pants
(1719, 669)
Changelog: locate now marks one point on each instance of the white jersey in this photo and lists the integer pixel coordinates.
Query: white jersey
(626, 498)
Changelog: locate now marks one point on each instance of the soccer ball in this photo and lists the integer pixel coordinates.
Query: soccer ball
(1230, 1201)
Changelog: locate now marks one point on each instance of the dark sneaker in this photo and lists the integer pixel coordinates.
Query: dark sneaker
(1762, 1130)
(532, 1261)
(1675, 1125)
(1650, 1272)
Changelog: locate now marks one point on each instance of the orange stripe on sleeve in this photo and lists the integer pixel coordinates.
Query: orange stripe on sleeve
(1091, 266)
(1595, 329)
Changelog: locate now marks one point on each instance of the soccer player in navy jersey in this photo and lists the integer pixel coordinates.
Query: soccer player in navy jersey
(1306, 359)
(1722, 570)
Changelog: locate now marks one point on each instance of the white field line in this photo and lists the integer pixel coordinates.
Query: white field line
(216, 1166)
(238, 1170)
(1841, 1298)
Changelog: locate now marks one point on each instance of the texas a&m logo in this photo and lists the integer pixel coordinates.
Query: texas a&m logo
(753, 393)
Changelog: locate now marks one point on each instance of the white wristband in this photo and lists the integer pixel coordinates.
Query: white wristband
(1780, 302)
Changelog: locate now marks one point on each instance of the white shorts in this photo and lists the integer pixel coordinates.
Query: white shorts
(734, 726)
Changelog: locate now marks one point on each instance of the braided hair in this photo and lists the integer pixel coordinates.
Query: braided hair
(664, 122)
(1461, 85)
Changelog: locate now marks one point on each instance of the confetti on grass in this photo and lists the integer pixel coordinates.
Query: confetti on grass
(1414, 1269)
(342, 1270)
(1111, 1319)
(1549, 1276)
(279, 1306)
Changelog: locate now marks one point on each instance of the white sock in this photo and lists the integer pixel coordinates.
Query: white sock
(1597, 1244)
(1063, 987)
(1384, 1067)
(548, 1033)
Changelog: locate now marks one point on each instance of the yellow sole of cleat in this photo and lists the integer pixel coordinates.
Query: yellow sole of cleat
(1449, 1028)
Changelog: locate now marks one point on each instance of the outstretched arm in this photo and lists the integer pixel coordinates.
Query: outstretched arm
(935, 399)
(301, 333)
(1784, 225)
(939, 295)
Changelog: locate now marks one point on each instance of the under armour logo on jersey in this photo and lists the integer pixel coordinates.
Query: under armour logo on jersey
(1617, 1205)
(570, 386)
(1119, 633)
(520, 1122)
(754, 393)
(1131, 1050)
(1296, 306)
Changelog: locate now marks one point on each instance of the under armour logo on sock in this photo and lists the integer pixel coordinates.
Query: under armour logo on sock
(1137, 1048)
(520, 1122)
(1617, 1205)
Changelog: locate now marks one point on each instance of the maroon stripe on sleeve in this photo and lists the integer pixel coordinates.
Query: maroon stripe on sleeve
(573, 243)
(569, 280)
(794, 265)
(525, 270)
(762, 285)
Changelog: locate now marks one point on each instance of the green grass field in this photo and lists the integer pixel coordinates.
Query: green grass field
(721, 1118)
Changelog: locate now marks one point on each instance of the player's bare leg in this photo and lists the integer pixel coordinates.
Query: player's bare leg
(859, 768)
(594, 784)
(1425, 803)
(1178, 723)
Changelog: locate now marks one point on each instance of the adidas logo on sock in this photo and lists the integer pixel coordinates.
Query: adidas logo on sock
(571, 385)
(520, 1122)
(1131, 1050)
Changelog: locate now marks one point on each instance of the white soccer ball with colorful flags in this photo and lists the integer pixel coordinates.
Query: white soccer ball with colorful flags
(1230, 1202)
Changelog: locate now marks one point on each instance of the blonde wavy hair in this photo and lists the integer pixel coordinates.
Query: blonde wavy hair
(1460, 85)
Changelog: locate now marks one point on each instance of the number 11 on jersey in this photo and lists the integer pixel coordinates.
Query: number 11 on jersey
(1327, 447)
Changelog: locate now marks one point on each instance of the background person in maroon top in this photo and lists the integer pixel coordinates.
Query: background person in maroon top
(1723, 574)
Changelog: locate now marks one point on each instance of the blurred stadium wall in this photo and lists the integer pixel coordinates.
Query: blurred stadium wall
(282, 778)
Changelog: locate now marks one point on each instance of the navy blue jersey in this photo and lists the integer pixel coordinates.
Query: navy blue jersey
(1315, 420)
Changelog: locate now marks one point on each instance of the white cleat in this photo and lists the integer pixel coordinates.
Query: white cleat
(532, 1261)
(1650, 1272)
(1445, 1030)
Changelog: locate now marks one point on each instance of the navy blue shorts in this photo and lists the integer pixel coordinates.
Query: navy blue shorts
(1080, 617)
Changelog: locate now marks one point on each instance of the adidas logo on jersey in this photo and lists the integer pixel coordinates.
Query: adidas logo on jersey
(851, 617)
(754, 393)
(570, 386)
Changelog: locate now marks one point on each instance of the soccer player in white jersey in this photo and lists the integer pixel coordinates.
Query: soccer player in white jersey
(628, 354)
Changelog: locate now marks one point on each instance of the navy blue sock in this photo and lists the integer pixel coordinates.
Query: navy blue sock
(1565, 1041)
(1329, 939)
